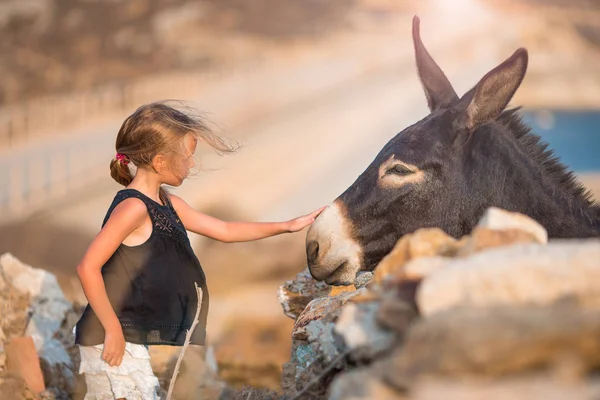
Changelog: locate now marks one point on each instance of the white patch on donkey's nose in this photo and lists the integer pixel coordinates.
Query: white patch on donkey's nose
(334, 255)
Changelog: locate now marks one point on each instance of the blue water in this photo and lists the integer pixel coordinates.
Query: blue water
(573, 135)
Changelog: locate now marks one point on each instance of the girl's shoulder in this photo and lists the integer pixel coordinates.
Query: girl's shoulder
(177, 204)
(127, 204)
(175, 200)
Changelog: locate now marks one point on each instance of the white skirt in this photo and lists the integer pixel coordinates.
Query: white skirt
(132, 380)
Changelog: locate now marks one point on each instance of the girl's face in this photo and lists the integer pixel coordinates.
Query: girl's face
(180, 161)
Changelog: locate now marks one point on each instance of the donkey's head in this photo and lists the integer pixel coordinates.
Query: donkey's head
(443, 171)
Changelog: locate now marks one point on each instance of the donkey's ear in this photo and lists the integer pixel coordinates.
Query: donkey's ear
(438, 90)
(491, 95)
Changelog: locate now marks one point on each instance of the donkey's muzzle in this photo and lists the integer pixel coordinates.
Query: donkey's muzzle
(312, 252)
(331, 254)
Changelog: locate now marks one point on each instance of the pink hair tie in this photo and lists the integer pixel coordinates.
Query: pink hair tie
(123, 158)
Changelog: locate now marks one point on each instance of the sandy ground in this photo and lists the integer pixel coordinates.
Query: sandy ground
(292, 162)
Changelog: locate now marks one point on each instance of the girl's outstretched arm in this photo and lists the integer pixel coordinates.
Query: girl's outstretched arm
(229, 232)
(128, 216)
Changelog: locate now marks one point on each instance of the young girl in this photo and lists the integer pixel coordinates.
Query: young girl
(139, 272)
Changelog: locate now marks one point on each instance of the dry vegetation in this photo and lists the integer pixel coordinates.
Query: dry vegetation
(54, 46)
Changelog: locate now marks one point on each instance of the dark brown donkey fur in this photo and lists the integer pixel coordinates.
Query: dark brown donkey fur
(470, 154)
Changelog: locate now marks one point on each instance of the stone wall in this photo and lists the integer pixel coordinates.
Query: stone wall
(500, 313)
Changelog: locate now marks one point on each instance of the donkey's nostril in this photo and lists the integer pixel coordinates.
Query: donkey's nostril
(312, 251)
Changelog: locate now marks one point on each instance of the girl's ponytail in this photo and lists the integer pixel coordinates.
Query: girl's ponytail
(119, 170)
(163, 195)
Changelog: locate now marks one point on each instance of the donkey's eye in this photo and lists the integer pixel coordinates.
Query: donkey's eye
(399, 170)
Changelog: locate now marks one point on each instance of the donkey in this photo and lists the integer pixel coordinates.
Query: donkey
(444, 171)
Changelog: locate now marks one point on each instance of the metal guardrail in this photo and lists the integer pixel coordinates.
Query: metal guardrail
(24, 122)
(28, 179)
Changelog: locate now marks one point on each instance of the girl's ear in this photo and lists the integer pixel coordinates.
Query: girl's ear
(159, 163)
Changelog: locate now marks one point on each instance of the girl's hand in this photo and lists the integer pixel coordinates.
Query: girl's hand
(114, 346)
(300, 223)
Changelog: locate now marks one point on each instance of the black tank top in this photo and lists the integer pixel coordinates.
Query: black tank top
(151, 286)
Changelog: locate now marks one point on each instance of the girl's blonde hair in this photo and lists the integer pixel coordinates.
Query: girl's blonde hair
(158, 128)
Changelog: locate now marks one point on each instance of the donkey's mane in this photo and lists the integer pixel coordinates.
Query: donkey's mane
(554, 169)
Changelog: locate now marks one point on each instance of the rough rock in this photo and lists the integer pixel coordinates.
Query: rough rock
(60, 377)
(516, 275)
(14, 387)
(14, 309)
(366, 385)
(538, 387)
(374, 318)
(314, 344)
(361, 332)
(324, 343)
(481, 316)
(363, 384)
(404, 286)
(307, 365)
(501, 220)
(324, 309)
(48, 305)
(426, 242)
(486, 238)
(420, 268)
(496, 228)
(294, 295)
(337, 290)
(32, 304)
(396, 314)
(363, 278)
(495, 342)
(23, 361)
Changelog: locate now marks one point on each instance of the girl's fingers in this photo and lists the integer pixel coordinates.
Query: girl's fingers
(311, 216)
(110, 358)
(320, 210)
